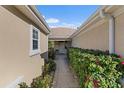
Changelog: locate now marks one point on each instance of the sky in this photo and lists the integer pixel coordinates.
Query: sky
(71, 16)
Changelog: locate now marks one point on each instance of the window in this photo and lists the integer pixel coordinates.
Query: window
(35, 41)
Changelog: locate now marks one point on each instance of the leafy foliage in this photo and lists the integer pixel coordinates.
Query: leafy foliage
(49, 67)
(42, 82)
(96, 68)
(51, 53)
(50, 44)
(23, 85)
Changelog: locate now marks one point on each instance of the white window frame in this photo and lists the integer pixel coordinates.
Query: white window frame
(36, 51)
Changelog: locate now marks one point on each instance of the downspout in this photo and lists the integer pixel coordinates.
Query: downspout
(111, 30)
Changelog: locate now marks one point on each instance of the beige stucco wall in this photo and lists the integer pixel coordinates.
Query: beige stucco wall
(44, 42)
(97, 37)
(14, 50)
(94, 38)
(119, 34)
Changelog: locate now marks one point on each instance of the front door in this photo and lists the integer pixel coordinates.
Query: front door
(61, 48)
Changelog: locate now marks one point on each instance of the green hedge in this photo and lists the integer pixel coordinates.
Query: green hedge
(95, 68)
(42, 82)
(49, 67)
(51, 53)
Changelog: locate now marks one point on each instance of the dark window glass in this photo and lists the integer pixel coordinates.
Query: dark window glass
(35, 44)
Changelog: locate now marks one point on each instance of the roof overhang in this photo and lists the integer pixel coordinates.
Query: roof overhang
(59, 39)
(95, 18)
(32, 13)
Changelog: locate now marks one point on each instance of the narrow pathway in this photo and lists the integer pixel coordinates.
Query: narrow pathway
(63, 77)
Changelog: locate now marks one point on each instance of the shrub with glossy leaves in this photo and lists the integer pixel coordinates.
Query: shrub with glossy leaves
(95, 68)
(42, 82)
(49, 67)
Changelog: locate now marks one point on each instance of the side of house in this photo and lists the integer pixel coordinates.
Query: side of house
(23, 40)
(60, 37)
(104, 33)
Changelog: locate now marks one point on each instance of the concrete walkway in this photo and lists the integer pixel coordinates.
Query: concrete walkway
(63, 77)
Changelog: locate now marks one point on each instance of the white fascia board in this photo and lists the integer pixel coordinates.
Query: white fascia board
(27, 11)
(46, 28)
(40, 16)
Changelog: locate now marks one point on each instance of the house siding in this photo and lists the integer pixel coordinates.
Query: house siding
(95, 38)
(119, 34)
(14, 50)
(98, 37)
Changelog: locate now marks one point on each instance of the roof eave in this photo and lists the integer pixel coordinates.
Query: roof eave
(40, 17)
(36, 16)
(90, 19)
